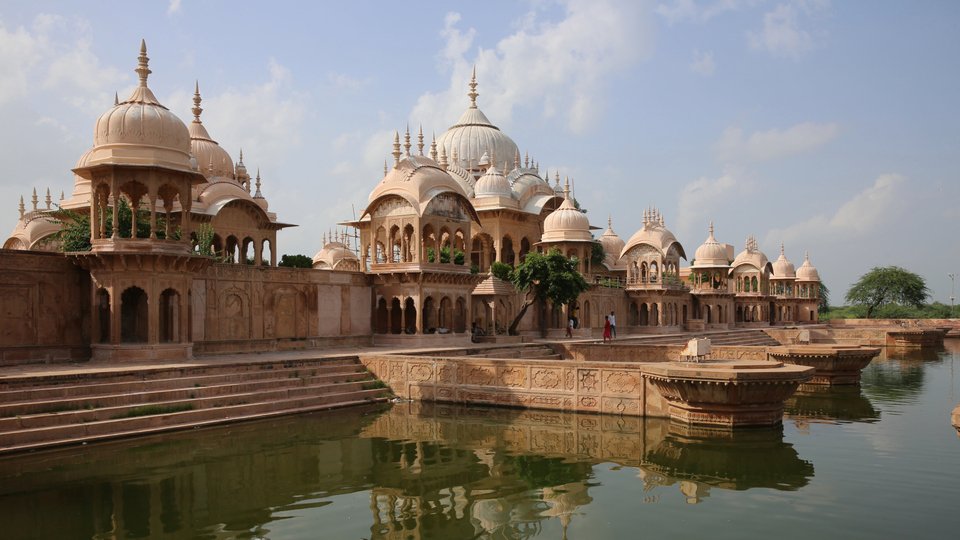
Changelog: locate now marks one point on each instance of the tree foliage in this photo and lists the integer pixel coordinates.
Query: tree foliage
(545, 277)
(74, 234)
(824, 305)
(888, 285)
(597, 254)
(296, 261)
(501, 270)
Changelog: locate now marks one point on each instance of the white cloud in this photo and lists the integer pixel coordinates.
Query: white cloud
(690, 10)
(866, 212)
(703, 63)
(774, 143)
(782, 34)
(573, 57)
(265, 119)
(706, 199)
(174, 6)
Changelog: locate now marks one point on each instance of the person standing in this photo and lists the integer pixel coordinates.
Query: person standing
(613, 325)
(606, 329)
(570, 327)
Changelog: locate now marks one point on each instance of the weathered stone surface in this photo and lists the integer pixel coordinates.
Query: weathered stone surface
(834, 364)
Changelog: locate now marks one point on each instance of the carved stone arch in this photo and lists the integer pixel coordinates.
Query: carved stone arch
(234, 314)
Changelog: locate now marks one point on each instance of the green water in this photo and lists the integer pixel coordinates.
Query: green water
(879, 461)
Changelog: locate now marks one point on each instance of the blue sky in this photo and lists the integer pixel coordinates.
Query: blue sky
(833, 127)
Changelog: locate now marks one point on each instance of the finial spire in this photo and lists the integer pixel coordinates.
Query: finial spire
(34, 200)
(556, 177)
(433, 148)
(566, 187)
(781, 249)
(473, 89)
(143, 69)
(396, 149)
(406, 141)
(384, 167)
(61, 194)
(48, 200)
(526, 160)
(196, 105)
(23, 208)
(241, 156)
(116, 99)
(258, 195)
(516, 159)
(609, 222)
(711, 228)
(420, 141)
(443, 157)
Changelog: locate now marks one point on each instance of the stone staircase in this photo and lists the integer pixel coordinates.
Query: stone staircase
(61, 409)
(751, 337)
(532, 352)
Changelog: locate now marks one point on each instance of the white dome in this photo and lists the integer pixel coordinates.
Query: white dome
(212, 160)
(493, 184)
(474, 135)
(782, 268)
(807, 272)
(655, 234)
(141, 131)
(612, 244)
(566, 223)
(751, 255)
(711, 254)
(336, 256)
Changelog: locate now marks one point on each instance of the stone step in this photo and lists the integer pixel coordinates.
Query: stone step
(76, 433)
(98, 386)
(112, 395)
(138, 374)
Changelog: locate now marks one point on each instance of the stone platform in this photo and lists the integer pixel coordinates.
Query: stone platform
(834, 364)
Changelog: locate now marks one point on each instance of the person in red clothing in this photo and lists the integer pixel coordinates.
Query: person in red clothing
(606, 328)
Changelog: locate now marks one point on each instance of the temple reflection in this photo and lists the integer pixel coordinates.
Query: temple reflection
(429, 471)
(817, 403)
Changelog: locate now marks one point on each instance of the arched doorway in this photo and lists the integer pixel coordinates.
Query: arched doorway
(396, 316)
(170, 316)
(134, 320)
(380, 321)
(103, 315)
(410, 315)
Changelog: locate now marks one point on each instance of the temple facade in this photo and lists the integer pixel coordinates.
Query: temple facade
(195, 267)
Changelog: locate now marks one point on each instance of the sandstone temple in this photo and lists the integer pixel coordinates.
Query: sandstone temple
(413, 268)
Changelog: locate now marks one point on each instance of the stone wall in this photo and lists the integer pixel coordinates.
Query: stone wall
(44, 308)
(630, 352)
(239, 308)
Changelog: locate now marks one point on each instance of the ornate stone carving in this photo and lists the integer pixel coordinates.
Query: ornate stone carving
(588, 380)
(546, 378)
(621, 382)
(421, 372)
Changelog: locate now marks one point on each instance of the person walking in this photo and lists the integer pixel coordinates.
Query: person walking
(606, 329)
(569, 327)
(613, 325)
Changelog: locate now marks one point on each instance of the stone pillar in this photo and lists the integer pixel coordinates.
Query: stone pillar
(389, 325)
(152, 197)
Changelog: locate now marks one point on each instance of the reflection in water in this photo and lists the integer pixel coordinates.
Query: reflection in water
(897, 375)
(819, 403)
(430, 471)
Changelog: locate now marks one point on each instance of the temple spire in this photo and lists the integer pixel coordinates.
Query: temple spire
(384, 167)
(258, 195)
(197, 109)
(420, 141)
(711, 228)
(443, 157)
(406, 141)
(34, 199)
(48, 200)
(23, 208)
(433, 148)
(566, 188)
(143, 69)
(396, 149)
(473, 89)
(116, 99)
(516, 159)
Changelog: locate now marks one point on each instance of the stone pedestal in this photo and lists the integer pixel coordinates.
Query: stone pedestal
(835, 365)
(916, 338)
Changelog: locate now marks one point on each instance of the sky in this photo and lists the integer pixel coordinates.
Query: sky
(832, 127)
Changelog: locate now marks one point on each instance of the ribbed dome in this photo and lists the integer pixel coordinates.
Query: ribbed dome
(336, 256)
(418, 179)
(612, 244)
(711, 254)
(566, 223)
(751, 255)
(212, 160)
(474, 135)
(782, 268)
(807, 272)
(493, 184)
(141, 131)
(654, 233)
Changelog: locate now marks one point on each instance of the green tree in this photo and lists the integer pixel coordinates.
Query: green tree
(74, 234)
(824, 305)
(501, 270)
(597, 254)
(545, 277)
(888, 285)
(296, 261)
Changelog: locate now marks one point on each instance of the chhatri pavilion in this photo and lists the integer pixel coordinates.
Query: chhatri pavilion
(413, 268)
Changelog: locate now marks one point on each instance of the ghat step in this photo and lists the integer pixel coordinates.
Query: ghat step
(63, 409)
